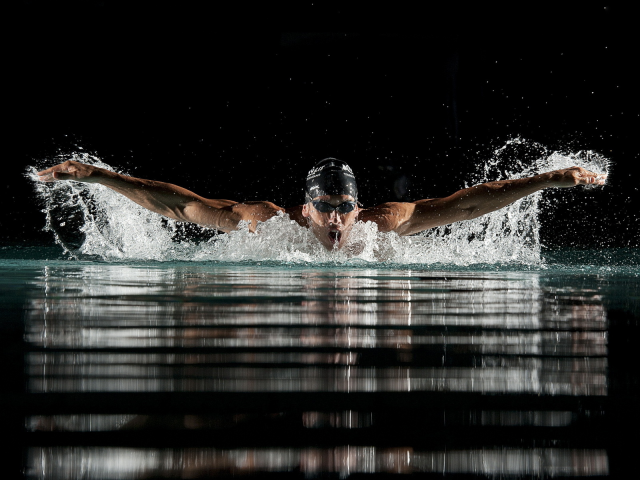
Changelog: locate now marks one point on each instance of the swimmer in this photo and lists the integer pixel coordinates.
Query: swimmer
(331, 205)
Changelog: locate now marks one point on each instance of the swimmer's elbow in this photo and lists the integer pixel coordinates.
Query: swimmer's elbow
(207, 216)
(183, 213)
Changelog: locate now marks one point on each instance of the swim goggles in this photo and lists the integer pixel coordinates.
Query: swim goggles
(326, 207)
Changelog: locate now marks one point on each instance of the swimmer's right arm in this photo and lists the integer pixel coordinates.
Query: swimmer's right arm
(165, 199)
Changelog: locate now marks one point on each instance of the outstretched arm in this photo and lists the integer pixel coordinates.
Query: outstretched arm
(164, 198)
(410, 218)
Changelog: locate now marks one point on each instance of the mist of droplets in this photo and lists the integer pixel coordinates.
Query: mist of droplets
(90, 220)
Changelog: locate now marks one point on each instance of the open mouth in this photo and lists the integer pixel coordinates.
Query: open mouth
(334, 236)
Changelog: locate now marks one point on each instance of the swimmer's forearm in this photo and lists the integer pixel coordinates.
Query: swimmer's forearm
(163, 198)
(159, 197)
(470, 203)
(488, 197)
(171, 201)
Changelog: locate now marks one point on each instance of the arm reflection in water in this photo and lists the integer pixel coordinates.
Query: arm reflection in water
(305, 330)
(96, 462)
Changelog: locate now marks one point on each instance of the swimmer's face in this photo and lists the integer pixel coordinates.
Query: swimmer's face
(331, 227)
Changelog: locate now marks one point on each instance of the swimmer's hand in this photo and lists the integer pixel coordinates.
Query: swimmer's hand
(71, 170)
(571, 177)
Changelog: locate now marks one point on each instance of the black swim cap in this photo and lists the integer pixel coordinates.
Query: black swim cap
(330, 177)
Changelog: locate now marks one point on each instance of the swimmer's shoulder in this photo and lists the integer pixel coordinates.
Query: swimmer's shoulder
(388, 216)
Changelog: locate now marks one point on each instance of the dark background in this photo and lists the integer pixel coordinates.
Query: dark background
(239, 102)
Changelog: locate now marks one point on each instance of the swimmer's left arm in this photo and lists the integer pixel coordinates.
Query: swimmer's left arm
(469, 203)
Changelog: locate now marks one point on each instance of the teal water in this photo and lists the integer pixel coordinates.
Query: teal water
(153, 369)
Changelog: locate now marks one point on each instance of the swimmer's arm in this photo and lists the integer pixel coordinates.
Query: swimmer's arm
(165, 199)
(469, 203)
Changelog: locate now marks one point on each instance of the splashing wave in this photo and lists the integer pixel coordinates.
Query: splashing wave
(92, 220)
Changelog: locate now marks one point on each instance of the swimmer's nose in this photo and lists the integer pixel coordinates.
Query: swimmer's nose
(335, 218)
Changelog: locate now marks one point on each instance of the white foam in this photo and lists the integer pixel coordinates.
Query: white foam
(114, 228)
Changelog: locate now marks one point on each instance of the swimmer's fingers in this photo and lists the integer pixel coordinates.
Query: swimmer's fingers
(46, 178)
(57, 172)
(54, 176)
(585, 177)
(68, 170)
(570, 177)
(594, 179)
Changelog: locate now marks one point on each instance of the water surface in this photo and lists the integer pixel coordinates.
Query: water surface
(153, 369)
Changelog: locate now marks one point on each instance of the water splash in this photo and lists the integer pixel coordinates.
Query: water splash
(512, 234)
(92, 220)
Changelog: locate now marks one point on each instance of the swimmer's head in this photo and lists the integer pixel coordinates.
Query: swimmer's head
(331, 202)
(330, 177)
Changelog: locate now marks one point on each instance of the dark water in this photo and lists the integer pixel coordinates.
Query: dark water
(182, 370)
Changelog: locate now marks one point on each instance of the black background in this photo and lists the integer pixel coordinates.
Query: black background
(238, 102)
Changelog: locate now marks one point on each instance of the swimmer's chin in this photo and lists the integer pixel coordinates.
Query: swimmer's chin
(343, 243)
(333, 240)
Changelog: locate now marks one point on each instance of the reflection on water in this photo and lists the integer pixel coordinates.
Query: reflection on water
(453, 337)
(167, 330)
(62, 372)
(124, 463)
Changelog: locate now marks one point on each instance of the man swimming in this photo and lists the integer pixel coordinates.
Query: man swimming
(331, 205)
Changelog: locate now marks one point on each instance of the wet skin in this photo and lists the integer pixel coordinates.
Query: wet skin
(333, 228)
